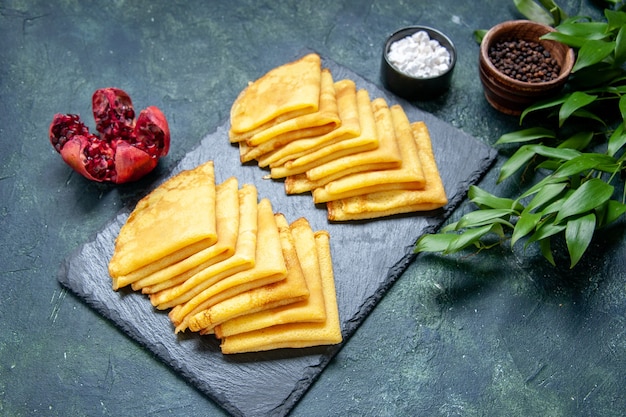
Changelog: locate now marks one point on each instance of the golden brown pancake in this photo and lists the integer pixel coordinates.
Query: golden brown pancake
(367, 132)
(282, 93)
(325, 120)
(242, 258)
(227, 218)
(310, 310)
(387, 203)
(350, 126)
(297, 335)
(386, 156)
(291, 289)
(271, 266)
(172, 222)
(366, 140)
(408, 176)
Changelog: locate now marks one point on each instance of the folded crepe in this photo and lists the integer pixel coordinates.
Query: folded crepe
(365, 140)
(227, 218)
(350, 126)
(243, 257)
(311, 309)
(297, 335)
(387, 203)
(271, 266)
(325, 120)
(291, 289)
(284, 92)
(408, 176)
(174, 221)
(386, 156)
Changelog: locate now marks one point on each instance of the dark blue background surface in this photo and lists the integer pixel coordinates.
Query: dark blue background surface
(499, 333)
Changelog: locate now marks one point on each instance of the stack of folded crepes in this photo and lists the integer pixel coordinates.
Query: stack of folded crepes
(360, 156)
(223, 262)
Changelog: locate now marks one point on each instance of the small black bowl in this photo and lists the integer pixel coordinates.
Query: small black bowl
(408, 86)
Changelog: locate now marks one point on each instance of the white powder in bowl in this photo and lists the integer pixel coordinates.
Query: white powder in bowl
(419, 56)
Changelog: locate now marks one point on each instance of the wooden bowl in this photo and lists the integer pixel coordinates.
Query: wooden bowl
(512, 96)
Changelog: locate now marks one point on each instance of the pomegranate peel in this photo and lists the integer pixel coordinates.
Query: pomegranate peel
(124, 149)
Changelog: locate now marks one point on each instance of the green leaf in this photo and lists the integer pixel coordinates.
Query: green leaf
(575, 101)
(479, 34)
(613, 211)
(584, 30)
(569, 40)
(588, 196)
(618, 89)
(544, 231)
(592, 52)
(483, 199)
(434, 242)
(545, 195)
(533, 11)
(617, 140)
(596, 75)
(556, 153)
(550, 165)
(585, 162)
(578, 235)
(557, 13)
(614, 19)
(483, 217)
(546, 251)
(526, 223)
(615, 90)
(620, 46)
(578, 141)
(586, 114)
(545, 181)
(542, 105)
(622, 107)
(520, 158)
(450, 227)
(467, 238)
(526, 152)
(526, 135)
(498, 229)
(555, 206)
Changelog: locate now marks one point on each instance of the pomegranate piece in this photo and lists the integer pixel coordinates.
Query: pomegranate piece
(124, 149)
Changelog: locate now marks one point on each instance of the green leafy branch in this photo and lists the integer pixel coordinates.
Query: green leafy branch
(581, 161)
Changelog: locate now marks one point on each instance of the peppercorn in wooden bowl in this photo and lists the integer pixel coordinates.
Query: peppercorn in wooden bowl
(417, 63)
(518, 68)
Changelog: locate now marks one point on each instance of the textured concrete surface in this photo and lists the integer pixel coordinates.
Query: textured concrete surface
(499, 333)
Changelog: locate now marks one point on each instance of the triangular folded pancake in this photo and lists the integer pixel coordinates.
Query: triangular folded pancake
(243, 258)
(289, 290)
(227, 218)
(297, 335)
(408, 176)
(387, 203)
(345, 91)
(310, 310)
(386, 156)
(366, 140)
(325, 120)
(282, 93)
(172, 222)
(271, 266)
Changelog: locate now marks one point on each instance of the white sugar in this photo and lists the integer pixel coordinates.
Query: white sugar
(419, 56)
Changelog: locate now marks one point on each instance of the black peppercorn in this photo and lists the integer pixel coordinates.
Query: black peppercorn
(523, 60)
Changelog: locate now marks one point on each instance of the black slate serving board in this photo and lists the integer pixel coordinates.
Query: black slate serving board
(368, 257)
